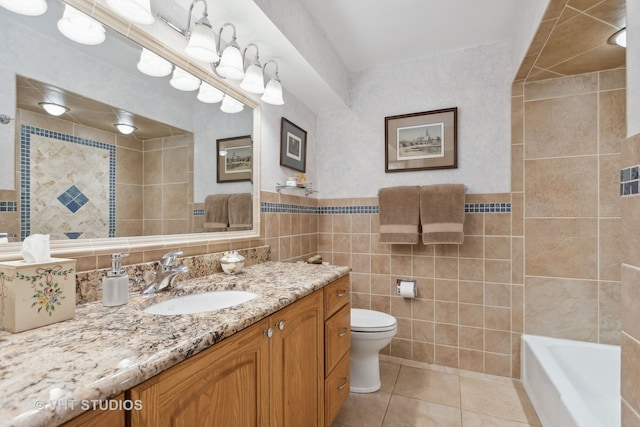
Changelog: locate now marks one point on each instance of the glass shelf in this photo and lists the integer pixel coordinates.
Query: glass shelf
(307, 189)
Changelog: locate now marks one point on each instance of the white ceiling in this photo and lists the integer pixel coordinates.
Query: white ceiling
(366, 33)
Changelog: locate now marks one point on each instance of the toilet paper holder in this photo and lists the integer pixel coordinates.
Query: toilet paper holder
(403, 285)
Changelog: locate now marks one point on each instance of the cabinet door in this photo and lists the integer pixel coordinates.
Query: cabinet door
(224, 386)
(101, 418)
(297, 359)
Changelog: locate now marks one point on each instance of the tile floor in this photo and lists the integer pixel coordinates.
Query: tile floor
(419, 394)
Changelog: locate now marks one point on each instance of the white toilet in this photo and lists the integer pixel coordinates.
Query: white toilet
(371, 331)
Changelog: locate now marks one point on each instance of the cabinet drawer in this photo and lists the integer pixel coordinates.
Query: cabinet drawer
(336, 389)
(337, 338)
(336, 295)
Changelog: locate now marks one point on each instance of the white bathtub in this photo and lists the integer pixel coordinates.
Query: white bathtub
(572, 383)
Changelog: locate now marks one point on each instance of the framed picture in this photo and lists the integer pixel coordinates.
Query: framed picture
(293, 146)
(421, 141)
(235, 159)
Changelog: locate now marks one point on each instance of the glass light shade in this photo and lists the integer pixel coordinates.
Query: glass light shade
(253, 79)
(209, 94)
(231, 64)
(153, 65)
(231, 105)
(182, 80)
(25, 7)
(273, 93)
(619, 38)
(202, 44)
(124, 128)
(80, 28)
(54, 109)
(137, 11)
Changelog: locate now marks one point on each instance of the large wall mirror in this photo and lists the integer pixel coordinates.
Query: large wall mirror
(78, 179)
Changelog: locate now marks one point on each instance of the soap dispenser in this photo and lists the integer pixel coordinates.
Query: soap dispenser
(115, 284)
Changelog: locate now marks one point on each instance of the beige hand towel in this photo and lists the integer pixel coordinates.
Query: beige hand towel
(399, 214)
(216, 212)
(442, 214)
(240, 212)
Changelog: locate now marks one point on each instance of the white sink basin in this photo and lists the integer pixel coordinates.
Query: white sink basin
(200, 303)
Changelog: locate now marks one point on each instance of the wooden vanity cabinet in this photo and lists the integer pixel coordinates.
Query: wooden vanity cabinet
(113, 417)
(269, 374)
(337, 333)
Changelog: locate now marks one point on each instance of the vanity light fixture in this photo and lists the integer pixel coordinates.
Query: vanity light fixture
(80, 27)
(53, 108)
(231, 105)
(153, 65)
(231, 65)
(273, 92)
(201, 41)
(209, 94)
(619, 38)
(136, 11)
(124, 128)
(183, 80)
(25, 7)
(253, 78)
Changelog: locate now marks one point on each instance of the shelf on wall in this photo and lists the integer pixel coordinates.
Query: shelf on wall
(307, 189)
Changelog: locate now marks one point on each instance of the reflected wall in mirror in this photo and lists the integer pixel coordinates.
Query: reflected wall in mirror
(76, 176)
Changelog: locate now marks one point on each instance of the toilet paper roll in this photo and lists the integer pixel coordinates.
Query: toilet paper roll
(408, 289)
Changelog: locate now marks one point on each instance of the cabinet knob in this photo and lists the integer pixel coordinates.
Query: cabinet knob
(280, 325)
(343, 332)
(341, 293)
(268, 332)
(343, 385)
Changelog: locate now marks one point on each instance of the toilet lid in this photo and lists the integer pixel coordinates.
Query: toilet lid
(371, 321)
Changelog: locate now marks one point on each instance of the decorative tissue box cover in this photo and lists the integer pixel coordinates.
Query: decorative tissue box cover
(34, 295)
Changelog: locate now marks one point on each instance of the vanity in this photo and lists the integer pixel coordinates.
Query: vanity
(281, 358)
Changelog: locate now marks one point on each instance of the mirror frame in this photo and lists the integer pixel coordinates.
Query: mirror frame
(103, 246)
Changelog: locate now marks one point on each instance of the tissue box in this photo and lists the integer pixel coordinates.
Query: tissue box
(34, 295)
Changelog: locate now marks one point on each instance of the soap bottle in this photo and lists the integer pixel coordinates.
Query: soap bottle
(115, 284)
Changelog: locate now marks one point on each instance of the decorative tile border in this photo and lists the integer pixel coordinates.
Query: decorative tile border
(25, 173)
(629, 178)
(8, 206)
(198, 212)
(371, 209)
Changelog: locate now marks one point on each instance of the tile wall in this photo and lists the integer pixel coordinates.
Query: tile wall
(566, 190)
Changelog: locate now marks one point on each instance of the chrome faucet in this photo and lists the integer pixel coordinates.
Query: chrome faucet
(165, 271)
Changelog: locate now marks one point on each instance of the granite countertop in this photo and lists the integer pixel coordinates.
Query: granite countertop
(48, 374)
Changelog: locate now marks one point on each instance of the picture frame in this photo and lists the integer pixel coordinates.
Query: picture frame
(421, 141)
(235, 159)
(293, 146)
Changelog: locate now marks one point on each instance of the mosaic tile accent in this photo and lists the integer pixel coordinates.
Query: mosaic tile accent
(371, 209)
(8, 206)
(629, 178)
(96, 200)
(198, 212)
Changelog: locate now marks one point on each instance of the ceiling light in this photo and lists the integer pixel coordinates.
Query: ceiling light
(231, 105)
(25, 7)
(202, 40)
(231, 64)
(182, 80)
(137, 11)
(124, 128)
(209, 94)
(273, 92)
(253, 77)
(619, 38)
(153, 65)
(80, 28)
(53, 109)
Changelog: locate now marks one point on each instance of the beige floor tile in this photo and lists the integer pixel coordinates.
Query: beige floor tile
(433, 386)
(405, 412)
(363, 410)
(502, 400)
(388, 376)
(474, 419)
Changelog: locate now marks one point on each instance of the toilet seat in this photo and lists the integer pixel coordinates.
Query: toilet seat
(371, 321)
